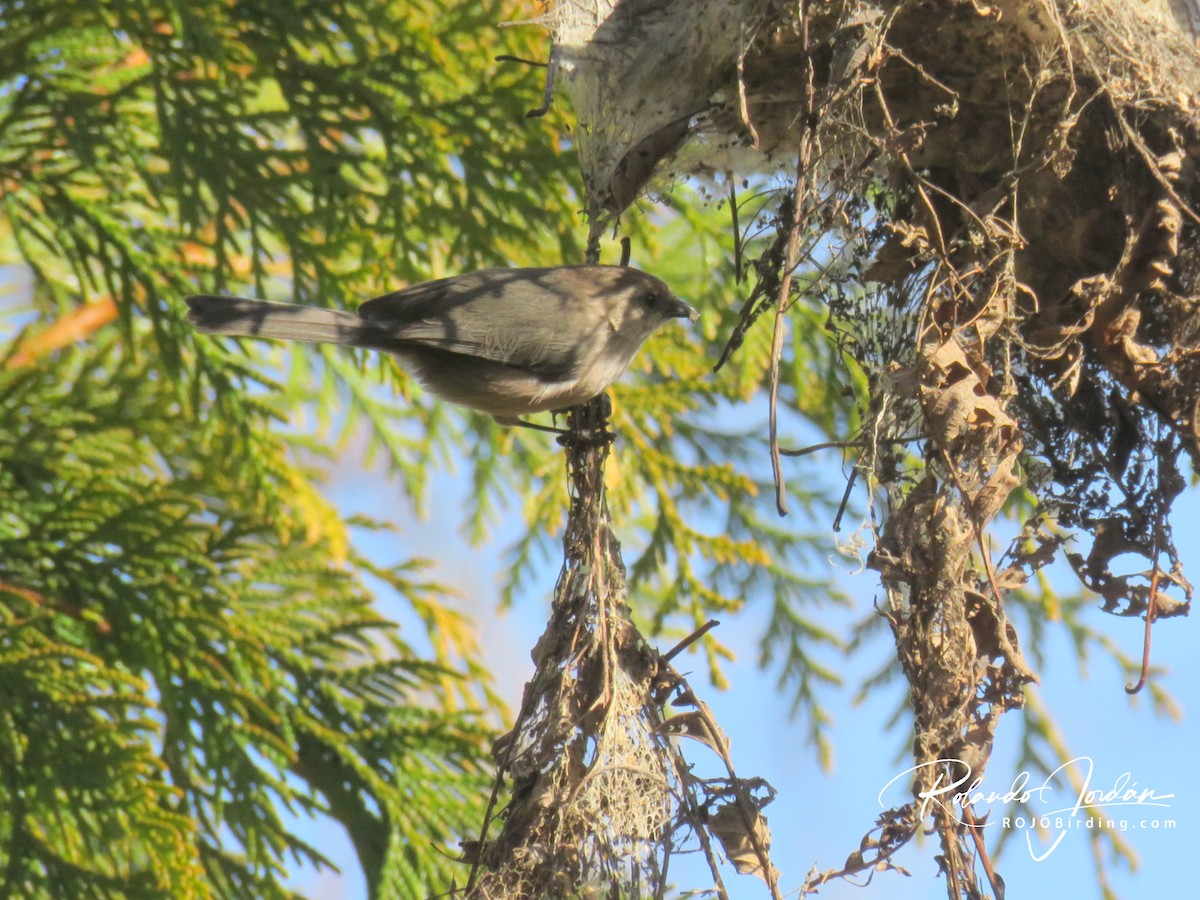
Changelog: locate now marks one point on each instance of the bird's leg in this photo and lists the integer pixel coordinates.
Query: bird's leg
(521, 423)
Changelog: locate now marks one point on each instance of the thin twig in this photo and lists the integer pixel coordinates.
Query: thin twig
(551, 82)
(837, 520)
(847, 445)
(738, 273)
(981, 848)
(1151, 607)
(825, 445)
(506, 57)
(773, 414)
(690, 639)
(791, 258)
(743, 105)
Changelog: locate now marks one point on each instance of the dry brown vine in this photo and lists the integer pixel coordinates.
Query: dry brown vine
(997, 201)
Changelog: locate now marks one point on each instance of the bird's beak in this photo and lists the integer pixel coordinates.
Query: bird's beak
(681, 310)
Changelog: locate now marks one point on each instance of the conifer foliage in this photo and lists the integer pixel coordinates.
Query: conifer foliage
(192, 657)
(189, 650)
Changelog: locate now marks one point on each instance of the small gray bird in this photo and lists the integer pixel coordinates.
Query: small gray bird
(508, 342)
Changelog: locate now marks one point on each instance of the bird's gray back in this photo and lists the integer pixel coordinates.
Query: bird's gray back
(493, 313)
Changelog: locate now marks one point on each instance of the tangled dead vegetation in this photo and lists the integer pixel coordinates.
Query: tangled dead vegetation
(997, 202)
(594, 797)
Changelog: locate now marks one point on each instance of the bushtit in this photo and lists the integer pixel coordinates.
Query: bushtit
(509, 342)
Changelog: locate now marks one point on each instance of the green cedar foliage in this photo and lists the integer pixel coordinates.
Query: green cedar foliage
(174, 673)
(188, 642)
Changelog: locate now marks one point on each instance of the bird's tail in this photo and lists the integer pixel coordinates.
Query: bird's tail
(211, 314)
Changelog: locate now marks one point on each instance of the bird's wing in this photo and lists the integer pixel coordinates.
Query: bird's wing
(484, 314)
(412, 303)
